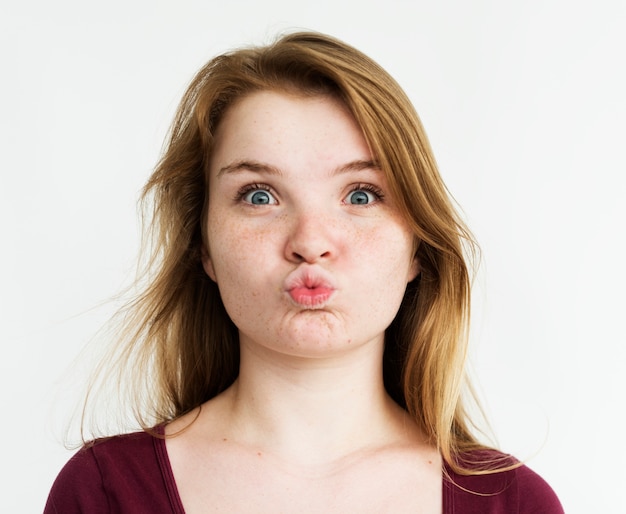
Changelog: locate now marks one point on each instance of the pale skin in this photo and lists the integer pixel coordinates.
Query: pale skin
(312, 259)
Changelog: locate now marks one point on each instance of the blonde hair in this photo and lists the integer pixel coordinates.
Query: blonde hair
(180, 347)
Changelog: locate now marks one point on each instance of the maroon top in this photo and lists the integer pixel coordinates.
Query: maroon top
(132, 474)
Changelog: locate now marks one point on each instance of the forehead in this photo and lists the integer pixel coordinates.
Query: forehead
(271, 104)
(288, 128)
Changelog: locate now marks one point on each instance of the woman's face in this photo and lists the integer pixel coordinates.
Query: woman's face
(304, 242)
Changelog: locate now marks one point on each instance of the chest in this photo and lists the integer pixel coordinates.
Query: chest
(380, 484)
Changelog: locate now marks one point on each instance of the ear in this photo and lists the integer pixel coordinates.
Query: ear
(414, 270)
(207, 263)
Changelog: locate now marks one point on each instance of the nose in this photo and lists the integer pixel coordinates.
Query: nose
(311, 238)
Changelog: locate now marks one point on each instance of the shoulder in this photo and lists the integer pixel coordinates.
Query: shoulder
(119, 474)
(516, 490)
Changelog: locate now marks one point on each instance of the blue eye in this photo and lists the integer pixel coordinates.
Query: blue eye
(361, 197)
(259, 197)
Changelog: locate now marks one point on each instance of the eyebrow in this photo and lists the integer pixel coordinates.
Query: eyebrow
(258, 167)
(357, 166)
(248, 165)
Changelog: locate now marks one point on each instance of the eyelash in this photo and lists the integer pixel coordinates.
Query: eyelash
(243, 191)
(370, 188)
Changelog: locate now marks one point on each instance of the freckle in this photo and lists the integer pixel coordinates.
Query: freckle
(224, 439)
(430, 462)
(258, 453)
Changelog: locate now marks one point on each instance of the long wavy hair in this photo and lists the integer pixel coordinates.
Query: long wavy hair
(180, 348)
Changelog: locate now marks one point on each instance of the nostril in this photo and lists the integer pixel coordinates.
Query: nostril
(310, 257)
(308, 240)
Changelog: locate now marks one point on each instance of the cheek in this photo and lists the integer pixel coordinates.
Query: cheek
(207, 263)
(392, 252)
(235, 253)
(380, 267)
(233, 271)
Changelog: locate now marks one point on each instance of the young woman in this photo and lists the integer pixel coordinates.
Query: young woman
(301, 341)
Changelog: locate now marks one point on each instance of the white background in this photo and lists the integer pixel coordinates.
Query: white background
(524, 103)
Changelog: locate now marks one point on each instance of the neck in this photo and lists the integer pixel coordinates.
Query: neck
(311, 410)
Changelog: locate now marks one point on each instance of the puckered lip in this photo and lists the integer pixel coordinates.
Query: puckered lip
(309, 277)
(309, 287)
